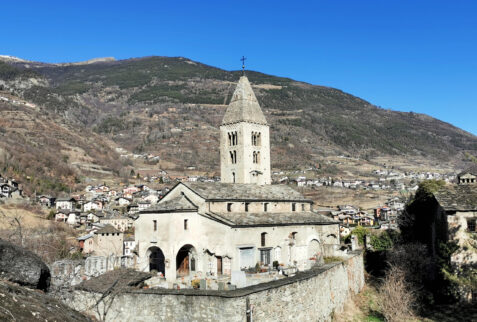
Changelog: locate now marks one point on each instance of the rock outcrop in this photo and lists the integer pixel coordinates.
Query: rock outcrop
(23, 267)
(19, 303)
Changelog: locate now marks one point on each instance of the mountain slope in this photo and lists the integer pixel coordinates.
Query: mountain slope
(173, 106)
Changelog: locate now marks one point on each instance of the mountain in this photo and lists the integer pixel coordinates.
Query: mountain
(172, 106)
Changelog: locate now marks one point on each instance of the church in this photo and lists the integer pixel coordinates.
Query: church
(215, 228)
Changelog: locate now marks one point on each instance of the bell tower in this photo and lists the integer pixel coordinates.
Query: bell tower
(244, 139)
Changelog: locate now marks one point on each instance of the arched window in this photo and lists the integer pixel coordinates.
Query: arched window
(265, 207)
(293, 206)
(235, 157)
(263, 238)
(233, 177)
(233, 138)
(231, 157)
(256, 157)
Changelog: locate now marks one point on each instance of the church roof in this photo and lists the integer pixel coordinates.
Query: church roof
(271, 219)
(107, 229)
(244, 191)
(244, 106)
(180, 203)
(457, 197)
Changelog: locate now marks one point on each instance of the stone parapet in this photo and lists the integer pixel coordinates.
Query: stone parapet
(311, 295)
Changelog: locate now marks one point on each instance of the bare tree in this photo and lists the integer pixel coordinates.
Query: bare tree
(15, 230)
(396, 296)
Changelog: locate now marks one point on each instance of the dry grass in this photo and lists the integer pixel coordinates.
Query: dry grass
(31, 217)
(26, 227)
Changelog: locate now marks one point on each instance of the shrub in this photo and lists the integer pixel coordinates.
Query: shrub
(195, 283)
(396, 296)
(360, 232)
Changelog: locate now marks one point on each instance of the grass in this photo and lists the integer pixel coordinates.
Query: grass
(332, 259)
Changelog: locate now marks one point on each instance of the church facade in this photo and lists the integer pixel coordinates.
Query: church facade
(216, 228)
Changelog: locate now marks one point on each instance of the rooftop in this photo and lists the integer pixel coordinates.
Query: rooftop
(268, 218)
(457, 197)
(244, 105)
(472, 170)
(181, 203)
(244, 191)
(107, 229)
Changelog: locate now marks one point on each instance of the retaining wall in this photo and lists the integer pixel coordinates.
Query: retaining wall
(311, 295)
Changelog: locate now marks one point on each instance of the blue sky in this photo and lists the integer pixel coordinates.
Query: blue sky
(416, 55)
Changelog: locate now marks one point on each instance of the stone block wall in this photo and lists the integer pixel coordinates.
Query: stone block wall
(312, 295)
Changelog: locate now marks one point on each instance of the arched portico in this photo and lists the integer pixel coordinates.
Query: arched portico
(156, 260)
(186, 260)
(314, 249)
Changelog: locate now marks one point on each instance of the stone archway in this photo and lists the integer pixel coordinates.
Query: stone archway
(156, 260)
(186, 260)
(314, 249)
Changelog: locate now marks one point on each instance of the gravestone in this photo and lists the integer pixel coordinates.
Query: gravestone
(238, 278)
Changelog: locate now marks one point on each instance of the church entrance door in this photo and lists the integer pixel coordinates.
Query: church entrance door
(185, 260)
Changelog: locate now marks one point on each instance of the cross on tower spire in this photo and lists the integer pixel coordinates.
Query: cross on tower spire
(243, 59)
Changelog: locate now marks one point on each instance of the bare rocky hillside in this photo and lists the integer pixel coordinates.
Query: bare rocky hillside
(172, 107)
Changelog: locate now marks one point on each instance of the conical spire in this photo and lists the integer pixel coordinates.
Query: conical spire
(244, 106)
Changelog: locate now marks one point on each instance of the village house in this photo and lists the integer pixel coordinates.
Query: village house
(61, 215)
(65, 203)
(456, 221)
(121, 223)
(92, 205)
(468, 176)
(94, 217)
(129, 245)
(216, 228)
(46, 200)
(133, 208)
(85, 243)
(143, 205)
(74, 218)
(10, 189)
(107, 241)
(122, 201)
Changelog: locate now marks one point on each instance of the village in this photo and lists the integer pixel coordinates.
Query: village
(146, 226)
(98, 207)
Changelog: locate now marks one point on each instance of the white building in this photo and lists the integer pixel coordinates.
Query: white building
(215, 228)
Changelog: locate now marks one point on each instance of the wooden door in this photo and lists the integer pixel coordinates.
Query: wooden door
(219, 265)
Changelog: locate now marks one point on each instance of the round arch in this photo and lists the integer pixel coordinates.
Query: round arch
(156, 260)
(314, 249)
(186, 260)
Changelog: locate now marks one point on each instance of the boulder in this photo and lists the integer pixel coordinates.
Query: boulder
(23, 267)
(18, 303)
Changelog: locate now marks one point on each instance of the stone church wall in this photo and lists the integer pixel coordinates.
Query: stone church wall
(312, 295)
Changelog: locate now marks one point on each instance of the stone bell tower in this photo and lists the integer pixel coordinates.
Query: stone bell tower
(244, 139)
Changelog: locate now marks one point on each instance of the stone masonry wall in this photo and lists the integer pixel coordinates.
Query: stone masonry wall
(312, 295)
